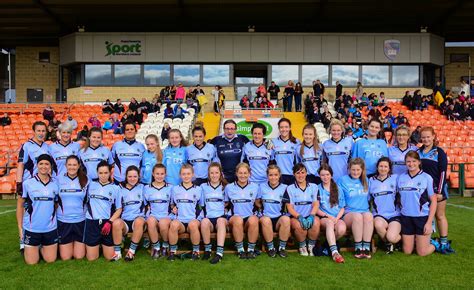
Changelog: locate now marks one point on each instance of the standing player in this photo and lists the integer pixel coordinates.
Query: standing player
(185, 201)
(358, 216)
(133, 214)
(214, 212)
(157, 197)
(337, 150)
(371, 148)
(435, 163)
(127, 152)
(37, 224)
(241, 195)
(62, 149)
(271, 199)
(71, 211)
(103, 208)
(302, 206)
(200, 155)
(93, 153)
(175, 156)
(151, 156)
(418, 206)
(309, 153)
(383, 191)
(397, 152)
(257, 155)
(229, 149)
(331, 210)
(284, 151)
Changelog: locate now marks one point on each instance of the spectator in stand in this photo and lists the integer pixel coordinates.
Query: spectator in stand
(462, 96)
(452, 113)
(465, 87)
(168, 113)
(220, 103)
(133, 105)
(401, 119)
(338, 102)
(48, 113)
(118, 107)
(382, 100)
(288, 94)
(215, 93)
(266, 104)
(55, 122)
(338, 89)
(245, 99)
(471, 90)
(179, 112)
(417, 100)
(172, 92)
(165, 93)
(193, 103)
(347, 99)
(52, 134)
(364, 100)
(138, 116)
(407, 100)
(156, 106)
(359, 90)
(466, 112)
(358, 132)
(83, 134)
(165, 131)
(273, 90)
(261, 90)
(197, 94)
(318, 88)
(94, 121)
(116, 124)
(315, 116)
(5, 120)
(145, 106)
(107, 107)
(180, 93)
(107, 125)
(415, 137)
(298, 96)
(70, 121)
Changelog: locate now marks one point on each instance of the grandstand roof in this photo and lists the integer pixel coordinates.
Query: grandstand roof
(42, 22)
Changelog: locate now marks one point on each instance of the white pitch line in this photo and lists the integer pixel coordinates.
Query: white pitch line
(461, 206)
(7, 211)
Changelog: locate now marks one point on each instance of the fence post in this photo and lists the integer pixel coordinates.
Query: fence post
(462, 182)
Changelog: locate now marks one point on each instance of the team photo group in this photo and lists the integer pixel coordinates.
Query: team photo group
(77, 202)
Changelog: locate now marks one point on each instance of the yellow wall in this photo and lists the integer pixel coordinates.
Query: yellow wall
(454, 71)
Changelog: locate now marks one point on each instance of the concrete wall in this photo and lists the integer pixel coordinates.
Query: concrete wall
(454, 71)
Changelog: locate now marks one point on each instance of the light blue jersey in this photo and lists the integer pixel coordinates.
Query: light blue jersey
(357, 199)
(415, 193)
(40, 212)
(91, 157)
(382, 196)
(60, 153)
(71, 200)
(310, 159)
(337, 155)
(242, 199)
(325, 203)
(173, 159)
(284, 153)
(200, 158)
(188, 201)
(148, 161)
(397, 156)
(102, 200)
(302, 199)
(158, 199)
(126, 153)
(258, 157)
(214, 200)
(371, 150)
(273, 199)
(29, 153)
(133, 204)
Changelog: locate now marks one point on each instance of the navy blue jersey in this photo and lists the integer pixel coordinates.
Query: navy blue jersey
(415, 193)
(188, 201)
(302, 199)
(214, 200)
(325, 203)
(258, 157)
(71, 200)
(383, 195)
(90, 158)
(29, 153)
(158, 200)
(242, 199)
(357, 199)
(284, 153)
(371, 150)
(310, 159)
(200, 158)
(133, 204)
(102, 200)
(337, 155)
(126, 153)
(273, 199)
(229, 152)
(60, 153)
(397, 156)
(435, 163)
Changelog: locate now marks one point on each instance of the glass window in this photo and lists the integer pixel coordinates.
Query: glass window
(281, 74)
(315, 72)
(406, 75)
(375, 75)
(127, 74)
(347, 75)
(188, 75)
(249, 80)
(157, 74)
(98, 74)
(216, 75)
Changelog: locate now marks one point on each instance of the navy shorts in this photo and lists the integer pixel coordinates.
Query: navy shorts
(71, 232)
(199, 181)
(40, 239)
(129, 226)
(392, 219)
(413, 225)
(93, 236)
(444, 192)
(313, 179)
(274, 223)
(287, 179)
(214, 221)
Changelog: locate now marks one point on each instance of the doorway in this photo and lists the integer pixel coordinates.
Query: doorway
(34, 95)
(247, 78)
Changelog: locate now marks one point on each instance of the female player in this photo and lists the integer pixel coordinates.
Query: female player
(337, 150)
(270, 200)
(331, 210)
(151, 156)
(200, 155)
(60, 150)
(418, 206)
(174, 156)
(93, 153)
(241, 196)
(37, 224)
(397, 152)
(185, 200)
(71, 213)
(284, 151)
(257, 155)
(302, 206)
(157, 197)
(383, 191)
(371, 148)
(127, 152)
(103, 208)
(133, 214)
(358, 216)
(435, 163)
(214, 212)
(309, 153)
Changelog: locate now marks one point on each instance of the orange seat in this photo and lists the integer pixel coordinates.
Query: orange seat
(469, 182)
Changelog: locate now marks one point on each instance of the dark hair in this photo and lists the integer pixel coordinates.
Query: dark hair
(130, 123)
(199, 128)
(333, 189)
(222, 179)
(183, 142)
(259, 126)
(38, 123)
(315, 140)
(385, 159)
(292, 138)
(298, 167)
(157, 166)
(131, 168)
(413, 154)
(230, 121)
(88, 139)
(104, 163)
(81, 174)
(381, 134)
(363, 177)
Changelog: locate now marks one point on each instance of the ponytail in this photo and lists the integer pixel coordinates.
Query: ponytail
(81, 174)
(292, 138)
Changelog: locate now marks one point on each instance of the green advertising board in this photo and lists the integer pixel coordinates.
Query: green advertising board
(245, 128)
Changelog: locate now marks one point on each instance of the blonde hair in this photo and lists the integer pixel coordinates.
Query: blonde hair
(186, 166)
(243, 165)
(315, 140)
(363, 177)
(158, 153)
(336, 122)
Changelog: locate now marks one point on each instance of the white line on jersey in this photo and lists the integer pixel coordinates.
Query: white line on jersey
(461, 206)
